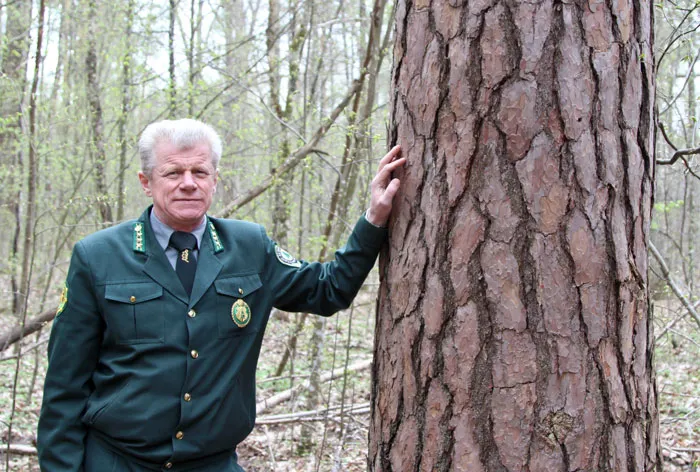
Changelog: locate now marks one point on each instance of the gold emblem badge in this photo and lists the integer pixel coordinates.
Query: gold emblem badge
(186, 255)
(240, 313)
(64, 299)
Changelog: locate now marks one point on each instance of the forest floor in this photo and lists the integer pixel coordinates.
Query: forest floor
(338, 437)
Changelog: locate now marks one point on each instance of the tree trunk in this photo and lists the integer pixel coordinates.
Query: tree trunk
(12, 84)
(513, 326)
(96, 121)
(126, 106)
(172, 80)
(193, 58)
(29, 246)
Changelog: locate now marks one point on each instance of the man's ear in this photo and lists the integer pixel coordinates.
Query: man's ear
(145, 183)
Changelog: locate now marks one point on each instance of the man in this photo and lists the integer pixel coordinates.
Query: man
(153, 351)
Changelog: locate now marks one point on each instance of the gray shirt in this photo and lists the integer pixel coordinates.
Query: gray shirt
(163, 232)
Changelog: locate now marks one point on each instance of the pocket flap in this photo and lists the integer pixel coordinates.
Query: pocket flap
(133, 292)
(239, 286)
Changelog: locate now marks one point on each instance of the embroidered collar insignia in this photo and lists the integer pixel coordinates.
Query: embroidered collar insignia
(218, 245)
(139, 239)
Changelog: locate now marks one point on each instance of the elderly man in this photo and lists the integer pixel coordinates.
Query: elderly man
(154, 348)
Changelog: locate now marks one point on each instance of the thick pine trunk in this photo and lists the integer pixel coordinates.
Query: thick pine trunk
(513, 329)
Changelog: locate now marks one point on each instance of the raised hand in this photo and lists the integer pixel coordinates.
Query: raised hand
(383, 188)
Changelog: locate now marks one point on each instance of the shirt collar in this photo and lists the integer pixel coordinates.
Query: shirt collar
(162, 232)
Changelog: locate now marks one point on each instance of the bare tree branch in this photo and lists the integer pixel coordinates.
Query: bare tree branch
(31, 326)
(668, 140)
(672, 283)
(685, 83)
(294, 159)
(19, 449)
(678, 153)
(673, 323)
(675, 37)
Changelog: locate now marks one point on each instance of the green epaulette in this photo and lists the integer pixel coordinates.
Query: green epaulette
(218, 246)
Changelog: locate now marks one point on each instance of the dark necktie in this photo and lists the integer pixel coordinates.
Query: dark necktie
(186, 264)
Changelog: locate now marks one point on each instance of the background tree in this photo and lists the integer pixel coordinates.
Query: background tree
(513, 324)
(155, 59)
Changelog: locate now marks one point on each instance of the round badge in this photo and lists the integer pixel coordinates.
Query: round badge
(286, 258)
(240, 313)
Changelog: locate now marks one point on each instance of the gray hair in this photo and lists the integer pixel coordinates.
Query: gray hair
(183, 134)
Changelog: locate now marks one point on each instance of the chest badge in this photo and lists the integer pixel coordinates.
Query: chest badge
(240, 313)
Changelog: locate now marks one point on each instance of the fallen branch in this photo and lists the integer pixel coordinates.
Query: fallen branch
(313, 415)
(682, 449)
(32, 326)
(672, 284)
(282, 397)
(19, 449)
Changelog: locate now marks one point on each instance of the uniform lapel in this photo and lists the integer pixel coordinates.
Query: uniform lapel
(157, 266)
(208, 268)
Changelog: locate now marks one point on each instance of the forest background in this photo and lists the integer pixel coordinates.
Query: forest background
(298, 91)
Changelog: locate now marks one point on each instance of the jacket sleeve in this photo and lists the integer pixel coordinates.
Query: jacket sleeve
(73, 352)
(324, 288)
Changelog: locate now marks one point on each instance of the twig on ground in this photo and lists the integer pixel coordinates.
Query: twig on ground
(19, 449)
(282, 397)
(313, 415)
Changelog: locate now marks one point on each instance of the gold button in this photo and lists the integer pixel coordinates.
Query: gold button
(191, 313)
(179, 435)
(188, 397)
(168, 465)
(132, 299)
(194, 354)
(240, 290)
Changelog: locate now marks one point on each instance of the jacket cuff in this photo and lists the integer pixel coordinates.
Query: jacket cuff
(368, 234)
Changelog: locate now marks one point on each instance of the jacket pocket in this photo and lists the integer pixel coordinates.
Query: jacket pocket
(134, 312)
(229, 291)
(99, 408)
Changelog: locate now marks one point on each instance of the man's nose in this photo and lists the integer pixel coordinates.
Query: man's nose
(188, 180)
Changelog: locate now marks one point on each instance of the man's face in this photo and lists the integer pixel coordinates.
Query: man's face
(182, 184)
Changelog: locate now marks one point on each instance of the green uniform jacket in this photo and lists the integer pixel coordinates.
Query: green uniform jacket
(137, 362)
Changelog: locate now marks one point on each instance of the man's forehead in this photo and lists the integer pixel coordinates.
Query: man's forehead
(190, 155)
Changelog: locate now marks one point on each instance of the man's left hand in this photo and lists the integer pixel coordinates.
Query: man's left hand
(384, 187)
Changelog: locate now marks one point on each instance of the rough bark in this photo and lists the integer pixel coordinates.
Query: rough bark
(513, 329)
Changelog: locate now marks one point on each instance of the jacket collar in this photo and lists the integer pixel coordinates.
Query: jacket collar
(158, 268)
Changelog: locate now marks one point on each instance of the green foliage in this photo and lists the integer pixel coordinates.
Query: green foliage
(665, 207)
